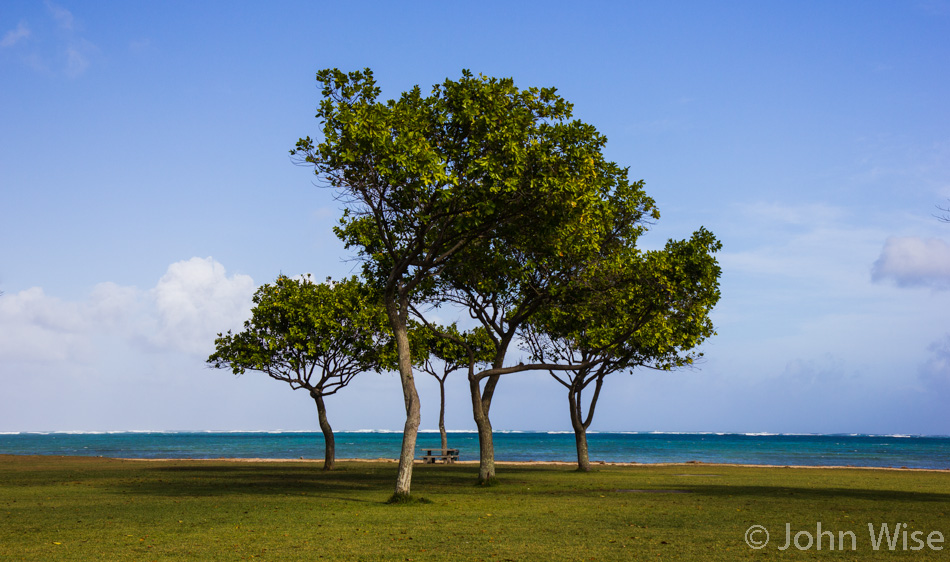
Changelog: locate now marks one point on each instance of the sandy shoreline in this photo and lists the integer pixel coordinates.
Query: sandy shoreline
(559, 463)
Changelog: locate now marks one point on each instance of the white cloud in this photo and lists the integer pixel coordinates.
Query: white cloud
(195, 300)
(911, 261)
(14, 36)
(38, 328)
(192, 302)
(113, 306)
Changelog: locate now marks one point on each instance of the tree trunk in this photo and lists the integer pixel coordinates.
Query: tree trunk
(445, 439)
(329, 443)
(481, 404)
(578, 421)
(486, 447)
(580, 431)
(411, 429)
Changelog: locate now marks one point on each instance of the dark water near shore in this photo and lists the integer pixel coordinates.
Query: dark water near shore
(821, 450)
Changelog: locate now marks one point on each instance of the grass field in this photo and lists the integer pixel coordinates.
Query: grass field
(76, 508)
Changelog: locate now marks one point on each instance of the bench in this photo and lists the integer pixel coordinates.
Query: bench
(447, 456)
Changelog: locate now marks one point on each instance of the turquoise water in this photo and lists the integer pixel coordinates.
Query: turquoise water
(855, 450)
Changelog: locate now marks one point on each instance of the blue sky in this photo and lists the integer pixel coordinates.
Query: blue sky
(147, 190)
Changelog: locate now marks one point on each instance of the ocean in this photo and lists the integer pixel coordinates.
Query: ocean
(782, 449)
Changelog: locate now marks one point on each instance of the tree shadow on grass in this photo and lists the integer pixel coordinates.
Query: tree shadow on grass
(578, 483)
(353, 481)
(251, 479)
(214, 479)
(809, 493)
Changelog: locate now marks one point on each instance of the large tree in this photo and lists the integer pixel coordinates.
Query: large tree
(315, 337)
(423, 177)
(627, 309)
(504, 282)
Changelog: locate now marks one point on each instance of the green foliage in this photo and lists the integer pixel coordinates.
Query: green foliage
(634, 308)
(532, 264)
(310, 335)
(424, 176)
(454, 349)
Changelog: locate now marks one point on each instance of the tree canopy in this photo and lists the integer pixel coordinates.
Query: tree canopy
(312, 336)
(424, 177)
(628, 309)
(505, 281)
(495, 199)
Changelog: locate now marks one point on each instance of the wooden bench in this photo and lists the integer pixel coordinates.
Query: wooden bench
(447, 456)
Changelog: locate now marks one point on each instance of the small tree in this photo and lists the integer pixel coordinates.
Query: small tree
(449, 350)
(312, 336)
(629, 310)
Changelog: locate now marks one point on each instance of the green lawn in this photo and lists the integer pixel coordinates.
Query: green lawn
(74, 508)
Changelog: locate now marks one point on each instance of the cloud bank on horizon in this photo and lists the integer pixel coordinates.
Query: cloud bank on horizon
(194, 300)
(813, 142)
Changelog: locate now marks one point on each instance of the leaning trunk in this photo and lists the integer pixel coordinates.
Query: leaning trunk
(445, 438)
(411, 397)
(486, 447)
(580, 431)
(329, 451)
